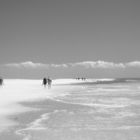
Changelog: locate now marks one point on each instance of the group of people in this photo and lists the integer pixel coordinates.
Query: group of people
(47, 81)
(83, 78)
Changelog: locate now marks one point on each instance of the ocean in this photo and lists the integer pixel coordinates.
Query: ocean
(99, 109)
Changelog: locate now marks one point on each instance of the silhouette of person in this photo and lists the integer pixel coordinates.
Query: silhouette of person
(1, 81)
(44, 82)
(49, 82)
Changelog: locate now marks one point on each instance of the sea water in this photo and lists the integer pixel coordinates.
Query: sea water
(102, 109)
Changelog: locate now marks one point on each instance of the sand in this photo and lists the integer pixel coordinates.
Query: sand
(99, 112)
(63, 123)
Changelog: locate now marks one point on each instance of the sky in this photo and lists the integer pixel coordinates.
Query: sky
(69, 38)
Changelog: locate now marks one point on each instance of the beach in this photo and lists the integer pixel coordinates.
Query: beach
(72, 110)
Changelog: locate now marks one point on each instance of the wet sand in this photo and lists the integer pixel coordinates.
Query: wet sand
(99, 112)
(23, 120)
(56, 120)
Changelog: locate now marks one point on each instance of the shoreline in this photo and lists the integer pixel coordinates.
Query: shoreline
(21, 120)
(24, 119)
(75, 113)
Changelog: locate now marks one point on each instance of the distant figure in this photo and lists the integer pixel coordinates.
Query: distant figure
(49, 82)
(83, 78)
(1, 81)
(78, 78)
(44, 82)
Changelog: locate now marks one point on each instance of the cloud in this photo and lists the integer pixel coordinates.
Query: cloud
(59, 65)
(133, 64)
(99, 64)
(84, 64)
(29, 64)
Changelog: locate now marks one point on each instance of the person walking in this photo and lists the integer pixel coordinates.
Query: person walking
(44, 82)
(49, 83)
(1, 81)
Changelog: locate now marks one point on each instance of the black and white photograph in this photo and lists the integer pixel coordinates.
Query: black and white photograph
(69, 70)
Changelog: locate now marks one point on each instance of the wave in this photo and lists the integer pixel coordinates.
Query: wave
(74, 81)
(94, 81)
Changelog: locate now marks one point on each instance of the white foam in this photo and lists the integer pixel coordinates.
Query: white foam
(15, 91)
(74, 81)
